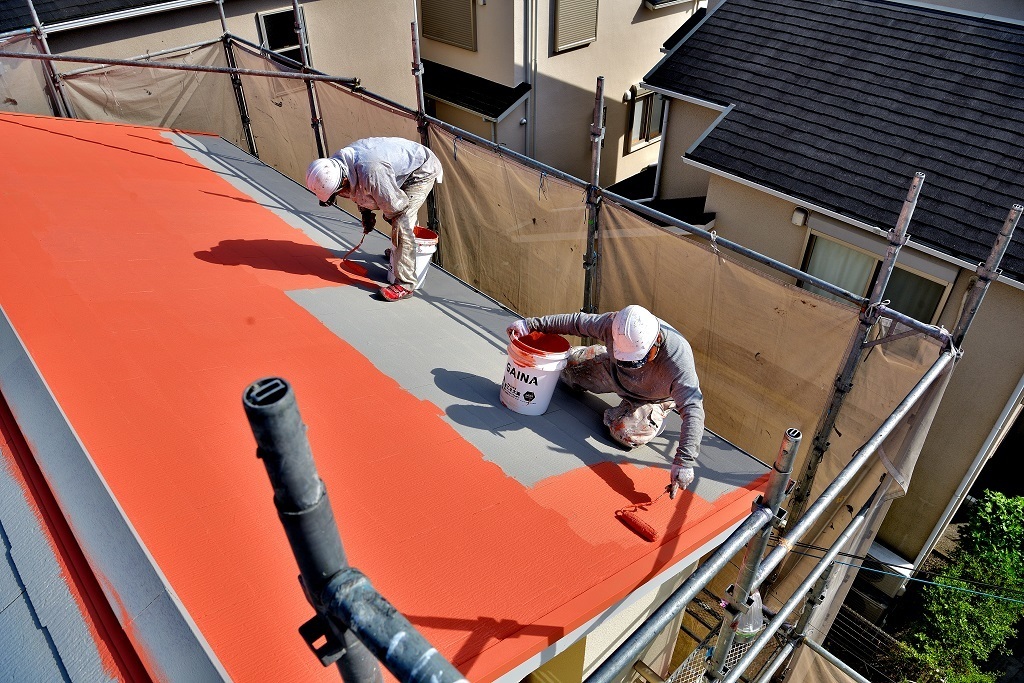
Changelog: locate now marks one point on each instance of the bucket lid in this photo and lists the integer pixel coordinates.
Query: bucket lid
(542, 342)
(424, 234)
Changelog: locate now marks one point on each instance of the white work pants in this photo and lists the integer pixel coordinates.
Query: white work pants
(403, 256)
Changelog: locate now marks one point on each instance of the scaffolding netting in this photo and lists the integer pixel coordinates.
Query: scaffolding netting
(22, 81)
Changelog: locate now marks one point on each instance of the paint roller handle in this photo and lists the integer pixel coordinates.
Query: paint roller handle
(517, 329)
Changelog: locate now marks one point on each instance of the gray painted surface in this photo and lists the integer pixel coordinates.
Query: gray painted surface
(43, 634)
(462, 380)
(171, 640)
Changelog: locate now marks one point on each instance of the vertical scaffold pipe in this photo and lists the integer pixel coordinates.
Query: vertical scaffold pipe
(303, 507)
(53, 84)
(844, 382)
(590, 262)
(423, 125)
(316, 122)
(744, 586)
(987, 271)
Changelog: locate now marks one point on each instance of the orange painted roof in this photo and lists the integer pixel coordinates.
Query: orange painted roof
(146, 342)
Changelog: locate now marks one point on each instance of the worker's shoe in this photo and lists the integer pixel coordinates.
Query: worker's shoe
(395, 292)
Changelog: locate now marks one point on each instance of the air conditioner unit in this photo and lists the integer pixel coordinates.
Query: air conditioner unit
(886, 571)
(871, 607)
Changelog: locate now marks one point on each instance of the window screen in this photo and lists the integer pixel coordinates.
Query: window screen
(450, 21)
(575, 23)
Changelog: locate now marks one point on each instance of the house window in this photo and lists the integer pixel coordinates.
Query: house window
(911, 293)
(575, 23)
(277, 33)
(450, 21)
(645, 114)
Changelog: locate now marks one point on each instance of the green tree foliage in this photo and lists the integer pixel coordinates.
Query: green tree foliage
(959, 629)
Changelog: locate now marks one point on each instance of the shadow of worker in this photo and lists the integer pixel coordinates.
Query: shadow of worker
(286, 257)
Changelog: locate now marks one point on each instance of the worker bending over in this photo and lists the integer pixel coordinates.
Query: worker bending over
(393, 175)
(643, 360)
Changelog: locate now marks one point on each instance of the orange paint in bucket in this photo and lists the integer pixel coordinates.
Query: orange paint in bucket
(531, 372)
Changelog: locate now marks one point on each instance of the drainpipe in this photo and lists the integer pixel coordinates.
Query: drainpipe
(316, 123)
(355, 625)
(53, 85)
(661, 147)
(740, 592)
(593, 202)
(844, 382)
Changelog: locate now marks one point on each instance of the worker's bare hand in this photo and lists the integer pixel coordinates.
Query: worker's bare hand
(517, 329)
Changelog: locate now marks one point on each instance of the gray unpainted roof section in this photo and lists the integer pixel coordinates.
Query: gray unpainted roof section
(840, 102)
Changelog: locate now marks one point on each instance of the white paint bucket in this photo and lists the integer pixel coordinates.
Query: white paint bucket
(531, 372)
(426, 245)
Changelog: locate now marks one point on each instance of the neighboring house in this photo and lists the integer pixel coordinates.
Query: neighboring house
(524, 74)
(799, 124)
(373, 44)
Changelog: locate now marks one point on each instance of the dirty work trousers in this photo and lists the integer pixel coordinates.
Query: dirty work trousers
(633, 422)
(403, 255)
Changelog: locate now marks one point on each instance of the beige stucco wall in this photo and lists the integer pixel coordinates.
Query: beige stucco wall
(686, 123)
(756, 220)
(334, 31)
(982, 383)
(465, 120)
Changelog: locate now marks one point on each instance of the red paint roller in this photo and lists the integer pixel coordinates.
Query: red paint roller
(630, 517)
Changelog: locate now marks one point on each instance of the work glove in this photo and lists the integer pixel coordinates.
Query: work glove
(680, 477)
(517, 329)
(369, 220)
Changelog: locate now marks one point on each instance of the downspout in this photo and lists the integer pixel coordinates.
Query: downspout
(661, 148)
(986, 273)
(52, 82)
(532, 115)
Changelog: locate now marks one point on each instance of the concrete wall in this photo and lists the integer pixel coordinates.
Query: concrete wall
(758, 221)
(628, 45)
(334, 31)
(686, 123)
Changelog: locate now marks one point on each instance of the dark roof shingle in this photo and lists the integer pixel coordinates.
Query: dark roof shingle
(14, 14)
(840, 102)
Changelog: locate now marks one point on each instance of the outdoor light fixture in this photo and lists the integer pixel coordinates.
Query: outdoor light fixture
(799, 216)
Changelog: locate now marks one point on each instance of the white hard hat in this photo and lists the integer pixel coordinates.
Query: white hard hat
(323, 178)
(634, 331)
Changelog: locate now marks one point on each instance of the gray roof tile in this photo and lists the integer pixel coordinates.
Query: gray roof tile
(840, 102)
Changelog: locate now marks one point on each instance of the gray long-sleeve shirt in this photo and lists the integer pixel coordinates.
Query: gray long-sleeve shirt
(377, 168)
(672, 373)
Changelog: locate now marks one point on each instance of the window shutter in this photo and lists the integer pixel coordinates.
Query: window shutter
(575, 23)
(450, 21)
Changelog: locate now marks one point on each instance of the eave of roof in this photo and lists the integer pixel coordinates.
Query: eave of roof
(811, 120)
(490, 100)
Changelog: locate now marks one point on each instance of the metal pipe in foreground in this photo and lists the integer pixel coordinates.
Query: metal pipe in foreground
(634, 645)
(360, 620)
(590, 266)
(740, 592)
(798, 595)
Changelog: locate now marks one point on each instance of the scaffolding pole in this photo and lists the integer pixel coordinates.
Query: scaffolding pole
(423, 127)
(53, 87)
(315, 120)
(844, 382)
(740, 592)
(590, 261)
(243, 108)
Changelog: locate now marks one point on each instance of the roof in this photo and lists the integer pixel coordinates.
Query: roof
(473, 93)
(840, 102)
(175, 271)
(14, 14)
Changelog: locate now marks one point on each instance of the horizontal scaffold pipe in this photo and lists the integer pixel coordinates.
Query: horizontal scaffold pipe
(846, 475)
(147, 56)
(363, 92)
(506, 152)
(633, 647)
(737, 248)
(800, 594)
(180, 67)
(16, 32)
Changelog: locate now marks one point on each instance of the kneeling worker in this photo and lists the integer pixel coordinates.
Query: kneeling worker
(643, 360)
(393, 175)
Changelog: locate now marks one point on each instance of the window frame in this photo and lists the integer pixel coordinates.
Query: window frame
(645, 98)
(813, 235)
(264, 34)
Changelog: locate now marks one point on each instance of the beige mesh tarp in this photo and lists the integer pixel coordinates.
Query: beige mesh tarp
(185, 100)
(279, 113)
(513, 232)
(23, 81)
(810, 667)
(767, 352)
